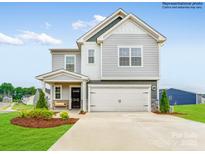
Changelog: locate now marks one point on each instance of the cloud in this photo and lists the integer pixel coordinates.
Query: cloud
(5, 39)
(84, 25)
(99, 18)
(47, 25)
(42, 38)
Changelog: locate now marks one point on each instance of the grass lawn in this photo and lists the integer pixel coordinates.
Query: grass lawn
(193, 112)
(20, 106)
(16, 138)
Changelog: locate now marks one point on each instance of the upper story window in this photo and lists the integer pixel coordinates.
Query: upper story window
(124, 57)
(130, 56)
(58, 92)
(91, 56)
(70, 63)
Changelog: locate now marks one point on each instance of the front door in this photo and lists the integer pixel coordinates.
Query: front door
(75, 96)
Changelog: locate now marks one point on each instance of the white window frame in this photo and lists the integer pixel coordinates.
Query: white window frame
(130, 57)
(74, 61)
(88, 56)
(55, 86)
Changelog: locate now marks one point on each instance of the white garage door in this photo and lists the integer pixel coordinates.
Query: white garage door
(116, 98)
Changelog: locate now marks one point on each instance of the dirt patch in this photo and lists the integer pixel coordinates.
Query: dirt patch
(42, 123)
(171, 113)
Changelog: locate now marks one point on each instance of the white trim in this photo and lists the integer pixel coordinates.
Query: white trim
(51, 96)
(83, 96)
(70, 99)
(60, 92)
(130, 57)
(94, 56)
(120, 85)
(41, 77)
(65, 56)
(129, 78)
(149, 100)
(101, 60)
(66, 81)
(62, 73)
(147, 28)
(159, 50)
(89, 98)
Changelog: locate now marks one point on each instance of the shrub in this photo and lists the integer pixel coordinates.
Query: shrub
(164, 102)
(42, 102)
(23, 113)
(64, 115)
(37, 113)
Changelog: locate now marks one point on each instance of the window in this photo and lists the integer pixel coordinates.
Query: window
(58, 90)
(91, 53)
(70, 63)
(170, 97)
(124, 57)
(130, 56)
(136, 57)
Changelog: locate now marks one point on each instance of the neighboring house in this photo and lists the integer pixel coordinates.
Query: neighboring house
(114, 68)
(201, 98)
(28, 100)
(7, 99)
(181, 97)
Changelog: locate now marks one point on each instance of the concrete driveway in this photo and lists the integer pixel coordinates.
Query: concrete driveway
(132, 131)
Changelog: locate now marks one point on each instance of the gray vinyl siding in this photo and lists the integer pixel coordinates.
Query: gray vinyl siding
(59, 57)
(65, 92)
(110, 56)
(154, 101)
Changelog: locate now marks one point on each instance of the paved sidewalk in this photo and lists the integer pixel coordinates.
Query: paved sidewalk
(132, 131)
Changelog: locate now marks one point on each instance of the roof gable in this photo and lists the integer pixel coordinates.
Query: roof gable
(114, 22)
(61, 75)
(139, 25)
(128, 27)
(119, 13)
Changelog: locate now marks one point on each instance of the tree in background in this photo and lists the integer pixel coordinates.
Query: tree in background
(42, 102)
(164, 102)
(18, 94)
(7, 89)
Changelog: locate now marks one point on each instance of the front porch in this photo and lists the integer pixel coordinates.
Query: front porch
(68, 90)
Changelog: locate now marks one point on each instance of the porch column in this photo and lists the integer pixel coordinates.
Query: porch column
(83, 95)
(51, 96)
(44, 87)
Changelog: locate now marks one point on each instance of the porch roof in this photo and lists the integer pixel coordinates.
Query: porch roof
(62, 75)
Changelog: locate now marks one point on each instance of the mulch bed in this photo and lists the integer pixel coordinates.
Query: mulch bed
(42, 123)
(171, 113)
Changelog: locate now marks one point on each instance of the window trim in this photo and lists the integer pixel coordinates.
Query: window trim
(60, 92)
(139, 46)
(74, 61)
(88, 56)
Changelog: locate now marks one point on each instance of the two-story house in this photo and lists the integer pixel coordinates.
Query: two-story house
(115, 67)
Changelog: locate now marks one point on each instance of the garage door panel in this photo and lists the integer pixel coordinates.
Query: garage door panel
(119, 99)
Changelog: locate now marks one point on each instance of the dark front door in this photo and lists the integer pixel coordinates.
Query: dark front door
(75, 96)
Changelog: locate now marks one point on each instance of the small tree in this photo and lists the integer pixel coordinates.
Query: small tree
(42, 102)
(164, 102)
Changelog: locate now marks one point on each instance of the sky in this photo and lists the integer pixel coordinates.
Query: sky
(29, 30)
